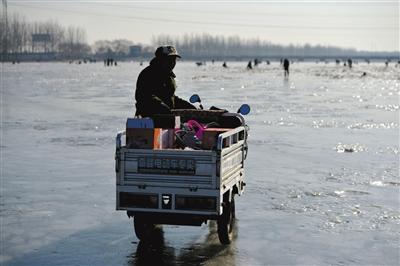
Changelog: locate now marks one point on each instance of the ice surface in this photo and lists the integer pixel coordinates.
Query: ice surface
(322, 172)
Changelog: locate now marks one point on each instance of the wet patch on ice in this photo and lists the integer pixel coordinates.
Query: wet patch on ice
(327, 124)
(258, 141)
(89, 127)
(9, 125)
(374, 125)
(378, 178)
(203, 78)
(388, 150)
(381, 183)
(340, 148)
(386, 107)
(359, 125)
(82, 141)
(335, 209)
(40, 127)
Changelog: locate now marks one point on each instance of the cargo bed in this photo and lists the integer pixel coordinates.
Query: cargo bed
(176, 186)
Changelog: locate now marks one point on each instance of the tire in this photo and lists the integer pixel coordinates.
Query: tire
(143, 228)
(226, 222)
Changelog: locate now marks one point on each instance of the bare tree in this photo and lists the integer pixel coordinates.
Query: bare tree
(74, 42)
(2, 33)
(206, 45)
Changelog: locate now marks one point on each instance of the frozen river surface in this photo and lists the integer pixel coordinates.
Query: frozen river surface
(322, 172)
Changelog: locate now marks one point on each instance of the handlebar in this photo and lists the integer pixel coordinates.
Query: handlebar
(118, 143)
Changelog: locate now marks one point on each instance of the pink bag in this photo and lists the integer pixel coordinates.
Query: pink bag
(196, 127)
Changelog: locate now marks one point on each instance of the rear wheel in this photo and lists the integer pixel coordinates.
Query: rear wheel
(143, 227)
(226, 222)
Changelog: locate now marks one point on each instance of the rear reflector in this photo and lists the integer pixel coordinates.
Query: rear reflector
(135, 200)
(195, 203)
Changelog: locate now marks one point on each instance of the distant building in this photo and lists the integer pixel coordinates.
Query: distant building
(135, 50)
(41, 42)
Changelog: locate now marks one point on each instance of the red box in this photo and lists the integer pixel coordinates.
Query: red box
(210, 137)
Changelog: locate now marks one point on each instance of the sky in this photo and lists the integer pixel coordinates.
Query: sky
(364, 25)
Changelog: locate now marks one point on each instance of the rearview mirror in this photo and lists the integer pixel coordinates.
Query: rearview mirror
(244, 109)
(195, 98)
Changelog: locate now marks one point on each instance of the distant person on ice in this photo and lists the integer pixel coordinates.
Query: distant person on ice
(155, 86)
(286, 67)
(349, 62)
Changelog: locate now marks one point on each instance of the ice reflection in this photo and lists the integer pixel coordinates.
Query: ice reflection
(157, 251)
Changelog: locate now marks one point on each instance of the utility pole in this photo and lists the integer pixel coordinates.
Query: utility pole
(5, 41)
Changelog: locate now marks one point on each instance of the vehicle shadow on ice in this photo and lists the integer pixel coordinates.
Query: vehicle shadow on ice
(155, 250)
(111, 244)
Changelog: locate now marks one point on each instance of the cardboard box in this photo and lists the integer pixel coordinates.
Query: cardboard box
(210, 137)
(143, 138)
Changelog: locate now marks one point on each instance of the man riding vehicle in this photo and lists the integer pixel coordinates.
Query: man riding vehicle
(155, 87)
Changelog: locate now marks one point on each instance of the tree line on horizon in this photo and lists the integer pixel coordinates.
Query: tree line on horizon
(16, 37)
(207, 45)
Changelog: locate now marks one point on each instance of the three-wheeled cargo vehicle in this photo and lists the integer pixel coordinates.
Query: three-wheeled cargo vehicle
(181, 185)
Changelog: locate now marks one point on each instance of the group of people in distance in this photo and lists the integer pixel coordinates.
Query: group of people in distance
(155, 86)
